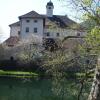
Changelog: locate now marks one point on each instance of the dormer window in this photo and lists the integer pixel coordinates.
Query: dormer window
(27, 21)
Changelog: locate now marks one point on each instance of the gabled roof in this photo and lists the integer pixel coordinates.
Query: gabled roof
(15, 24)
(57, 21)
(31, 14)
(60, 20)
(65, 20)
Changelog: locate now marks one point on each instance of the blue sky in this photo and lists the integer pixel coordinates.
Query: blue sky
(11, 9)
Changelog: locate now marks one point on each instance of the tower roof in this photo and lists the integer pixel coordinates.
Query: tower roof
(50, 3)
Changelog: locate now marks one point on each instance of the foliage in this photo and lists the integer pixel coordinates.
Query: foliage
(93, 39)
(28, 55)
(88, 24)
(57, 61)
(1, 52)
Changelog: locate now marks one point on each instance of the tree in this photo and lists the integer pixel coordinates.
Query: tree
(55, 63)
(94, 42)
(89, 52)
(90, 9)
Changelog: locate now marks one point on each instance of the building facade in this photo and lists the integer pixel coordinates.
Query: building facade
(35, 27)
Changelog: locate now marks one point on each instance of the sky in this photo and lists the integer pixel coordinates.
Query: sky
(11, 9)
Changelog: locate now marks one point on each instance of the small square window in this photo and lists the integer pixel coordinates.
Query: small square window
(27, 29)
(35, 21)
(58, 34)
(35, 30)
(27, 21)
(78, 34)
(48, 34)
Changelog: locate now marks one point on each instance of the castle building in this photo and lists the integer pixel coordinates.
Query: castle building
(35, 27)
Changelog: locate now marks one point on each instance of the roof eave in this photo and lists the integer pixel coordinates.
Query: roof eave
(30, 17)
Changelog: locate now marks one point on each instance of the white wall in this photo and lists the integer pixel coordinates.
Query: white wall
(14, 30)
(32, 25)
(62, 33)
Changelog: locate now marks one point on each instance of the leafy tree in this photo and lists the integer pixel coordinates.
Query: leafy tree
(90, 9)
(94, 43)
(55, 64)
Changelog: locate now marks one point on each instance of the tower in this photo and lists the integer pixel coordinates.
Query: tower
(49, 9)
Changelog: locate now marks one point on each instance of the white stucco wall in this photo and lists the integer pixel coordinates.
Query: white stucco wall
(32, 25)
(62, 33)
(14, 30)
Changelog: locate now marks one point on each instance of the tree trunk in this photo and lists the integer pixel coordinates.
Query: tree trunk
(95, 90)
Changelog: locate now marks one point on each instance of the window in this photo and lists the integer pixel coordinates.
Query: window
(49, 7)
(18, 32)
(78, 34)
(27, 21)
(48, 34)
(35, 30)
(35, 21)
(27, 29)
(87, 61)
(58, 34)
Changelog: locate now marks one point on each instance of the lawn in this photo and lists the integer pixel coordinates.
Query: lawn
(33, 74)
(18, 74)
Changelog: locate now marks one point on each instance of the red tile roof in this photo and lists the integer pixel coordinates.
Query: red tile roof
(15, 24)
(12, 41)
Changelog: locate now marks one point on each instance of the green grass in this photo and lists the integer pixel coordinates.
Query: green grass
(18, 74)
(21, 74)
